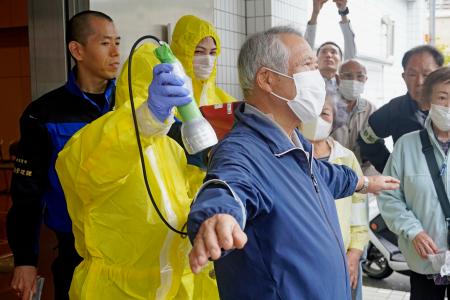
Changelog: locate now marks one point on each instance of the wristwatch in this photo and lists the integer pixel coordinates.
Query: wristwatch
(344, 12)
(365, 186)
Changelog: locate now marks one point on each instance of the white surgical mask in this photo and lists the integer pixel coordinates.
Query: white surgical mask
(203, 66)
(308, 103)
(351, 89)
(440, 115)
(316, 130)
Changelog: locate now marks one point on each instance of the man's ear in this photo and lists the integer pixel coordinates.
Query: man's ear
(404, 76)
(76, 49)
(264, 79)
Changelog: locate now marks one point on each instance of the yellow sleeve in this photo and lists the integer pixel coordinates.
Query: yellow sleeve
(98, 158)
(359, 234)
(359, 237)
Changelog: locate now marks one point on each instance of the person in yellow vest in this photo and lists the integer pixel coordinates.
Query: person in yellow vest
(127, 251)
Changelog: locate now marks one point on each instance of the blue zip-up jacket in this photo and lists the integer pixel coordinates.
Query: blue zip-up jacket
(399, 116)
(45, 127)
(284, 202)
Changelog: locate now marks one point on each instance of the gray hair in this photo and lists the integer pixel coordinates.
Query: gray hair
(263, 49)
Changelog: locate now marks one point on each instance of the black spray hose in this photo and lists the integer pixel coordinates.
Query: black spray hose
(141, 152)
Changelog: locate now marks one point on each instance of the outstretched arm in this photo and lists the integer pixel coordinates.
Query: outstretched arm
(310, 32)
(349, 36)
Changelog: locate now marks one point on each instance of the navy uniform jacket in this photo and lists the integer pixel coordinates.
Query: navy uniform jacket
(284, 200)
(45, 127)
(396, 118)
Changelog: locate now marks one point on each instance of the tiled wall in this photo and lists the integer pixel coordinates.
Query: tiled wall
(290, 12)
(258, 15)
(417, 22)
(235, 19)
(263, 14)
(229, 20)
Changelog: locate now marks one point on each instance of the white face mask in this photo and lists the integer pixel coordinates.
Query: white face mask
(203, 66)
(440, 115)
(308, 103)
(316, 130)
(351, 89)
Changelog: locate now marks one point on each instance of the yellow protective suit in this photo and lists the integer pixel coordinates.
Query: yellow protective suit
(128, 252)
(188, 32)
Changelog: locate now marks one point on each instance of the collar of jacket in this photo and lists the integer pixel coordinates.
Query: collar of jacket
(432, 136)
(413, 102)
(361, 105)
(337, 150)
(278, 141)
(74, 89)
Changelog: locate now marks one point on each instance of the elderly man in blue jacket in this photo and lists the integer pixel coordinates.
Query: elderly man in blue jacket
(265, 194)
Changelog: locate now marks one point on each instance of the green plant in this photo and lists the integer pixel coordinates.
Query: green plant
(445, 49)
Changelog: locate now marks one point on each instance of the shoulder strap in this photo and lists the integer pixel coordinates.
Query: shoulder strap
(427, 150)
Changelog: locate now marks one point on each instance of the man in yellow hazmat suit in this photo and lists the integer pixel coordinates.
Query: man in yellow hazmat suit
(128, 253)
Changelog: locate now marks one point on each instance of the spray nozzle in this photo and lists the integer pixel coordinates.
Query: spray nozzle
(196, 132)
(165, 54)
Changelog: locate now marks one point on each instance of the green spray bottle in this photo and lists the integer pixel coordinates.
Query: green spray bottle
(196, 132)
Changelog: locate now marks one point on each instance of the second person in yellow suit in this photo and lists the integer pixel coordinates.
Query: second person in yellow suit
(128, 253)
(196, 44)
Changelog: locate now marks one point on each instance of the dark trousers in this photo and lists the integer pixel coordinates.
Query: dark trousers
(64, 265)
(423, 288)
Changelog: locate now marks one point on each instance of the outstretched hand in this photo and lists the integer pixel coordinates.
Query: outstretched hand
(221, 231)
(380, 183)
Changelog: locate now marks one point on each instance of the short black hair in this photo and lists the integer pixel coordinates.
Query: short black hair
(329, 43)
(78, 27)
(437, 55)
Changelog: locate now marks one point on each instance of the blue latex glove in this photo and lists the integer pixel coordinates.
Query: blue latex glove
(165, 92)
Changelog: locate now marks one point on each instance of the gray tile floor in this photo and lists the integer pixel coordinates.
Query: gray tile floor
(371, 293)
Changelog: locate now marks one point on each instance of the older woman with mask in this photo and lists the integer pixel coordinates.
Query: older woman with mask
(352, 212)
(414, 211)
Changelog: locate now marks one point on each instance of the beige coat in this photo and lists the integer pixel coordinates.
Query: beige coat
(349, 132)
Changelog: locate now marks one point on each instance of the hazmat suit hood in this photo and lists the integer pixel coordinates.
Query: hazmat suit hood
(143, 62)
(188, 33)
